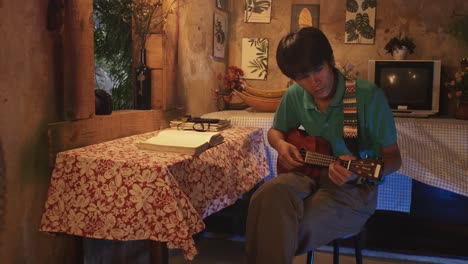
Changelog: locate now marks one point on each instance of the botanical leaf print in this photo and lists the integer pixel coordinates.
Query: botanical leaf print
(368, 4)
(257, 6)
(305, 18)
(352, 6)
(255, 59)
(360, 21)
(257, 11)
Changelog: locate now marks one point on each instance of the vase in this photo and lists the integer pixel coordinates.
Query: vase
(400, 54)
(220, 104)
(236, 106)
(227, 97)
(235, 103)
(461, 111)
(143, 83)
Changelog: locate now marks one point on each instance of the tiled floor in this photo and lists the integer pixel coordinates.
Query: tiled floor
(217, 250)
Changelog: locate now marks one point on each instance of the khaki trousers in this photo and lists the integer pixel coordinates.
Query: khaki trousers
(290, 215)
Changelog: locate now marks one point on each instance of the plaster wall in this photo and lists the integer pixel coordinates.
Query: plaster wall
(197, 68)
(425, 20)
(27, 105)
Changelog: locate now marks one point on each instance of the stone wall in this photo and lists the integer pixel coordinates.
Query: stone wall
(426, 21)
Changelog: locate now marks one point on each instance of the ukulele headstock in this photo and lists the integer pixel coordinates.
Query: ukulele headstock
(367, 168)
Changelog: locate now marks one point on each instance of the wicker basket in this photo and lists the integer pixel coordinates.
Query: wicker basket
(260, 103)
(267, 93)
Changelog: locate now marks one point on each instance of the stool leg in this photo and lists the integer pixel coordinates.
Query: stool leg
(310, 257)
(358, 248)
(336, 251)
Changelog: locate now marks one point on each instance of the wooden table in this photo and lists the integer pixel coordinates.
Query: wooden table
(113, 190)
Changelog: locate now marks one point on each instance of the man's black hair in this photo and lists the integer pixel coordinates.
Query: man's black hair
(303, 51)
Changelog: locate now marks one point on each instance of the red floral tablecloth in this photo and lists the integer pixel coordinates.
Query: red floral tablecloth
(113, 190)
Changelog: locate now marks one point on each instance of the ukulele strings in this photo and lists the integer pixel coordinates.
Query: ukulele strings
(317, 158)
(325, 160)
(321, 159)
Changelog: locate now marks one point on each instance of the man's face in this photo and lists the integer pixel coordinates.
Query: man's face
(318, 82)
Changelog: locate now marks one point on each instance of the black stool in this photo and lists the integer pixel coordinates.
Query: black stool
(357, 237)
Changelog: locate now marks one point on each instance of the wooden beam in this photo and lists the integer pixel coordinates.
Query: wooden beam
(78, 35)
(170, 47)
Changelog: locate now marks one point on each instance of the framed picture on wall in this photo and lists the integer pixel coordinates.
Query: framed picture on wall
(222, 4)
(254, 60)
(220, 33)
(257, 11)
(360, 21)
(304, 16)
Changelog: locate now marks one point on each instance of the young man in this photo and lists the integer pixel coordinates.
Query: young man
(293, 213)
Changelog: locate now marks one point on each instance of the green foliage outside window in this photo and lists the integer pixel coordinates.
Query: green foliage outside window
(113, 47)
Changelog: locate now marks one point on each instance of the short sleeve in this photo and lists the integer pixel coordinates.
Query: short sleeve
(381, 124)
(286, 116)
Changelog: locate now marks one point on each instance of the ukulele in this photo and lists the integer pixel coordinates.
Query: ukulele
(316, 151)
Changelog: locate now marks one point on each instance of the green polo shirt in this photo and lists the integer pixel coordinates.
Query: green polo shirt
(376, 126)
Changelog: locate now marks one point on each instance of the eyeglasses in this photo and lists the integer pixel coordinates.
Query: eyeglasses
(197, 126)
(201, 127)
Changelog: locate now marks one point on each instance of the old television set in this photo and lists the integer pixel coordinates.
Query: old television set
(412, 87)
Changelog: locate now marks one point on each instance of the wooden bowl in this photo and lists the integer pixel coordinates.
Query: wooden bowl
(260, 103)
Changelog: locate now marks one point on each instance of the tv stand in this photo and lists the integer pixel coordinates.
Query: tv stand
(410, 113)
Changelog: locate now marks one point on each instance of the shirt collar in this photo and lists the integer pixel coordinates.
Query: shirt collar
(340, 89)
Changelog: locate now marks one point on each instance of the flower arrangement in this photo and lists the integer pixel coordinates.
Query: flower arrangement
(400, 43)
(348, 70)
(458, 87)
(232, 80)
(148, 17)
(458, 90)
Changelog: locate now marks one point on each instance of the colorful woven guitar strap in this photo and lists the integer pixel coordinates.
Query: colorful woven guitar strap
(350, 122)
